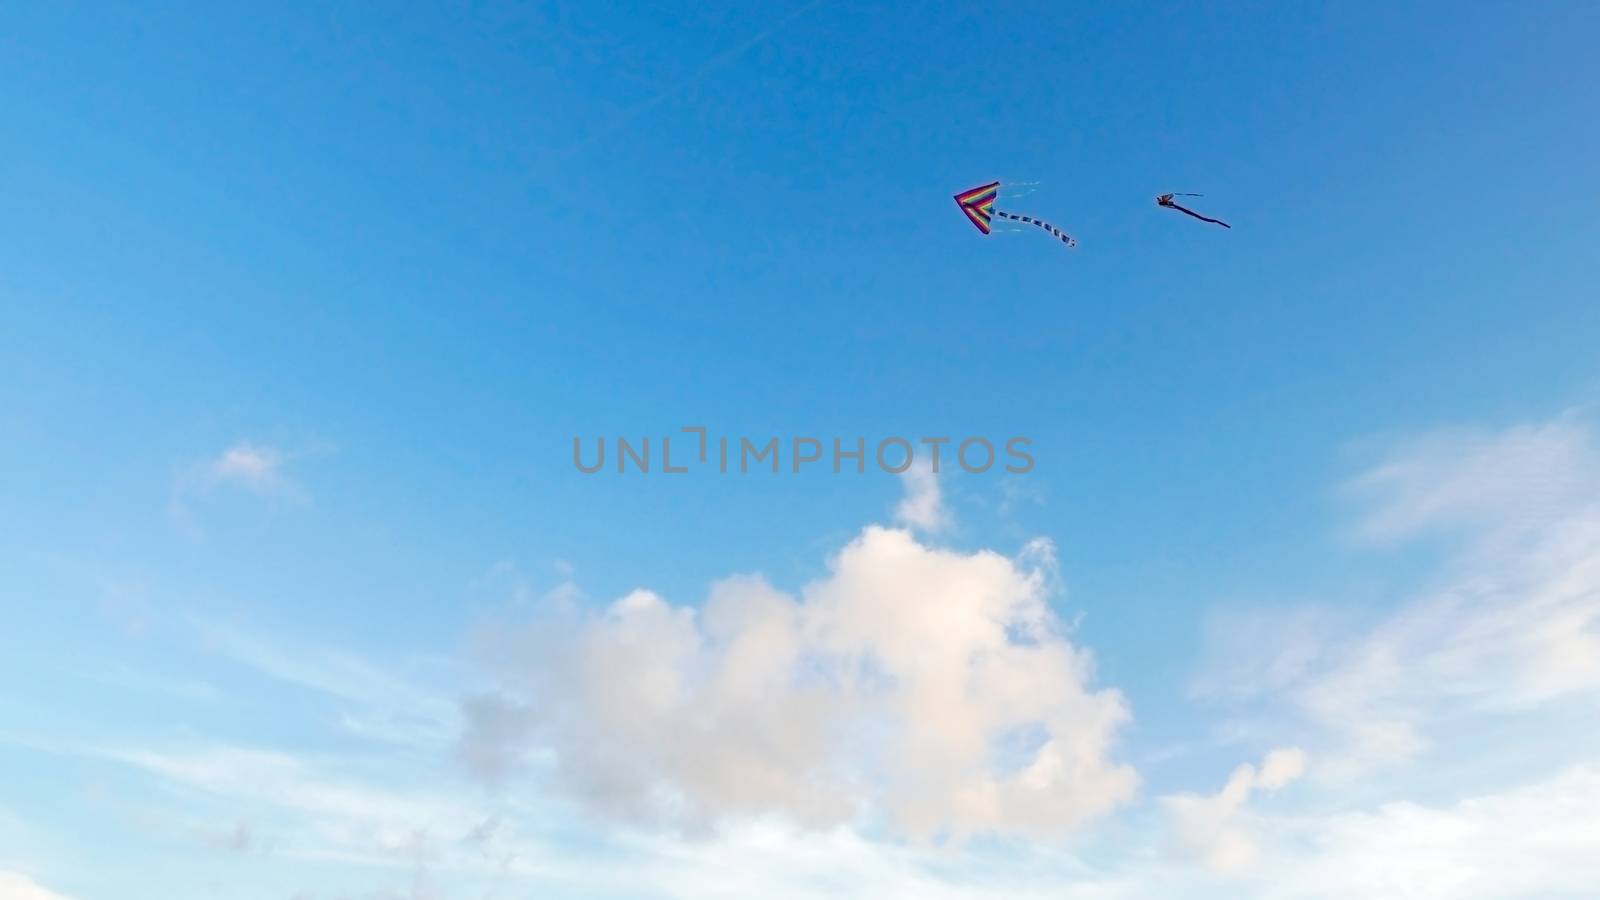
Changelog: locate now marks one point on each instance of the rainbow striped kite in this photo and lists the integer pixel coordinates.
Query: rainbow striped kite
(978, 205)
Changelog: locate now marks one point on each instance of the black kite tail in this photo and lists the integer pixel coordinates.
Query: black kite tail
(1200, 217)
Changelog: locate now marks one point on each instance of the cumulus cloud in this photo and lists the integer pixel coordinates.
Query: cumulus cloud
(929, 690)
(17, 886)
(923, 506)
(1215, 829)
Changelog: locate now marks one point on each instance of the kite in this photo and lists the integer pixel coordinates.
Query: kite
(1166, 200)
(978, 205)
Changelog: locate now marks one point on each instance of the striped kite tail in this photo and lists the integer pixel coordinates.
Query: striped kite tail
(1030, 220)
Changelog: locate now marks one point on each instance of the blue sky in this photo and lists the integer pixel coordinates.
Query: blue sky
(302, 306)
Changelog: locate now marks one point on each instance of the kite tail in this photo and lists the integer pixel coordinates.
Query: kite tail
(1202, 218)
(1030, 220)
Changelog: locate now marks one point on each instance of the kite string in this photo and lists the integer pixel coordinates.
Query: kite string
(1030, 220)
(1012, 190)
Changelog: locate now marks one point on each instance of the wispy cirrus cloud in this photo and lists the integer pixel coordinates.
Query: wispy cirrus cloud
(1510, 622)
(1488, 484)
(374, 702)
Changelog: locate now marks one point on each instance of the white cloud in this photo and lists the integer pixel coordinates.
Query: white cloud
(930, 688)
(248, 464)
(923, 506)
(1522, 478)
(769, 861)
(1538, 840)
(1512, 623)
(17, 886)
(255, 469)
(1280, 768)
(375, 703)
(921, 692)
(1216, 830)
(325, 808)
